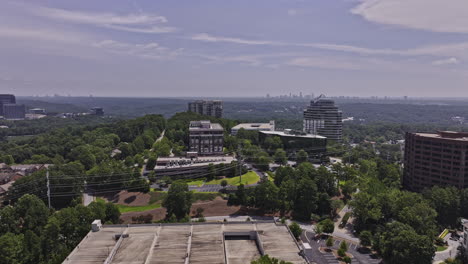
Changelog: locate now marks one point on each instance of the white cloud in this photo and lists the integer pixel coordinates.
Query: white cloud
(140, 23)
(432, 15)
(210, 38)
(42, 34)
(149, 50)
(446, 61)
(324, 63)
(443, 50)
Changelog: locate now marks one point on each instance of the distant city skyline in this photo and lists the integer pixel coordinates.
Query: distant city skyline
(209, 48)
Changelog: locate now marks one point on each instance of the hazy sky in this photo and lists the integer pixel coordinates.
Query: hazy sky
(234, 48)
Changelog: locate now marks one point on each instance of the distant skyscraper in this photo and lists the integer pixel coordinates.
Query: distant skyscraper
(208, 108)
(6, 99)
(323, 118)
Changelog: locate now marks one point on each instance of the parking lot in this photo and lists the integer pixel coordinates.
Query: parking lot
(315, 256)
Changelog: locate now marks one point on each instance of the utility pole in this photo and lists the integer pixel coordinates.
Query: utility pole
(239, 160)
(48, 186)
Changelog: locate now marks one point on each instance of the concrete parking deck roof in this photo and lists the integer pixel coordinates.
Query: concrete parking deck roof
(185, 243)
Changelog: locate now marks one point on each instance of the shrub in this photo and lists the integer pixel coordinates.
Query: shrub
(345, 219)
(296, 230)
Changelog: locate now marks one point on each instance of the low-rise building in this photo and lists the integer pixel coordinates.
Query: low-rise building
(294, 141)
(179, 167)
(99, 111)
(206, 138)
(37, 111)
(254, 127)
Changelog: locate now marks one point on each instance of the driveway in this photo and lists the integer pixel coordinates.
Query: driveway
(314, 255)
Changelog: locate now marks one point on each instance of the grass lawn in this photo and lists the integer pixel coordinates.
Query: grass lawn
(197, 182)
(441, 248)
(126, 208)
(248, 178)
(271, 176)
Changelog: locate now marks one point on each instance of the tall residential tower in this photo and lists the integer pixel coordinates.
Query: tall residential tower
(323, 118)
(208, 108)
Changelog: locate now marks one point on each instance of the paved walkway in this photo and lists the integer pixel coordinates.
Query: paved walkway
(450, 252)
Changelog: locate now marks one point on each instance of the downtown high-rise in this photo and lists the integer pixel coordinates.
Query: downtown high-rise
(322, 117)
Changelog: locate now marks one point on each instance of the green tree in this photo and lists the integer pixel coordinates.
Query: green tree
(344, 246)
(399, 243)
(296, 230)
(280, 157)
(301, 156)
(11, 249)
(446, 201)
(327, 226)
(224, 183)
(112, 213)
(241, 194)
(266, 196)
(306, 202)
(268, 260)
(329, 242)
(32, 213)
(178, 200)
(8, 159)
(365, 238)
(151, 163)
(32, 251)
(9, 221)
(211, 172)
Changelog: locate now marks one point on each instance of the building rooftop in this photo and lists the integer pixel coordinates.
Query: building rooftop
(204, 125)
(289, 133)
(448, 135)
(257, 126)
(178, 162)
(232, 242)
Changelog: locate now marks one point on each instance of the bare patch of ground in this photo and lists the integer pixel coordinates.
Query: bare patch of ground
(129, 198)
(210, 208)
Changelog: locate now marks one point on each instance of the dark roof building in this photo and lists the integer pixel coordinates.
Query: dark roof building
(6, 99)
(99, 111)
(323, 118)
(436, 159)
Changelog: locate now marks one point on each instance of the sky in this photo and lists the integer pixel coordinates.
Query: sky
(242, 48)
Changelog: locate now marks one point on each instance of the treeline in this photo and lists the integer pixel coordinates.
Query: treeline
(34, 127)
(69, 143)
(402, 226)
(32, 233)
(381, 132)
(303, 191)
(105, 158)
